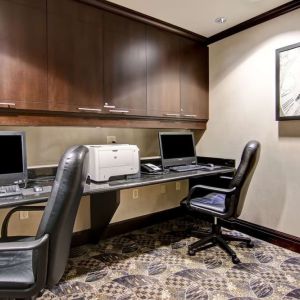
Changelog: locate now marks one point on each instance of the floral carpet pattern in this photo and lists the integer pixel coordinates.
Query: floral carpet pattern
(152, 263)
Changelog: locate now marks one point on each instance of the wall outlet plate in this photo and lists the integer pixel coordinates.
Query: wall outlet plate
(24, 215)
(163, 188)
(135, 193)
(111, 139)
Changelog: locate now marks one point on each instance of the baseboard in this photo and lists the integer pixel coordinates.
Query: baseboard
(84, 237)
(272, 236)
(142, 221)
(80, 238)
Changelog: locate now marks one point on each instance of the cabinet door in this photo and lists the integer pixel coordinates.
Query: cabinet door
(193, 80)
(124, 65)
(75, 54)
(23, 48)
(163, 79)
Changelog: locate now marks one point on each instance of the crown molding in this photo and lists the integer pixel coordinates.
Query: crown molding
(271, 14)
(137, 16)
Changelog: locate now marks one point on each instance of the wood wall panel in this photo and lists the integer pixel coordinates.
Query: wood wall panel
(23, 60)
(193, 79)
(75, 56)
(163, 78)
(125, 64)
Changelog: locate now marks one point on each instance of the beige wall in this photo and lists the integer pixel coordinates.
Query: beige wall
(242, 107)
(45, 145)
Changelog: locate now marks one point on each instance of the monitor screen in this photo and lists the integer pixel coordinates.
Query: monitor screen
(13, 165)
(177, 148)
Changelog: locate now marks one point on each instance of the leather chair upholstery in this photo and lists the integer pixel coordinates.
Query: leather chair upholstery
(224, 203)
(28, 265)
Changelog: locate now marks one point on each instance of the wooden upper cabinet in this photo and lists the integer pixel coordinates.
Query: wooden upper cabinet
(163, 77)
(75, 56)
(193, 80)
(124, 65)
(23, 60)
(64, 55)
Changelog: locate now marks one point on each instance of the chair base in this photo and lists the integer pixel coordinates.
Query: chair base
(217, 238)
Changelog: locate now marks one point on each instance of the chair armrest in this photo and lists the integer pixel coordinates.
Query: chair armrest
(226, 177)
(209, 188)
(12, 211)
(40, 267)
(212, 188)
(25, 245)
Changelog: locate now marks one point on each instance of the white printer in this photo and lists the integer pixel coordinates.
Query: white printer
(106, 161)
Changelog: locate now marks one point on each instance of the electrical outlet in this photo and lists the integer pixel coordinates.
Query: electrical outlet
(178, 186)
(135, 194)
(24, 215)
(163, 188)
(111, 139)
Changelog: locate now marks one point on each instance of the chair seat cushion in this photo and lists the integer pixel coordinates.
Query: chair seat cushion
(212, 201)
(16, 269)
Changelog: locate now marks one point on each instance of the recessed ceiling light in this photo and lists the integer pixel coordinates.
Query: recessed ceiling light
(221, 20)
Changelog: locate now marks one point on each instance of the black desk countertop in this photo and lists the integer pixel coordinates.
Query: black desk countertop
(30, 197)
(6, 202)
(147, 179)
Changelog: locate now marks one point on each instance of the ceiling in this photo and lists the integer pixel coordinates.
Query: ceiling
(199, 15)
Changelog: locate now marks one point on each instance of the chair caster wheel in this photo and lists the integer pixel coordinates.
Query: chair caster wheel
(250, 244)
(191, 252)
(235, 260)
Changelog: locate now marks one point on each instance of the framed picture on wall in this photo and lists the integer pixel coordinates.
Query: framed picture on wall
(288, 83)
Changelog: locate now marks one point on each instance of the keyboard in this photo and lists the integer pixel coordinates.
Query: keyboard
(10, 190)
(186, 168)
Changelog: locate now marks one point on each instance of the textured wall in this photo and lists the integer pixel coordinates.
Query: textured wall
(242, 107)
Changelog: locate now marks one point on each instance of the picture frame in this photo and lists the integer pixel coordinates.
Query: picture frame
(288, 83)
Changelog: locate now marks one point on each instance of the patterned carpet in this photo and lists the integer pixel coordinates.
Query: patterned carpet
(152, 263)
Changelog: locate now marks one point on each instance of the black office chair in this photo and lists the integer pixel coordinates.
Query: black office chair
(28, 265)
(223, 203)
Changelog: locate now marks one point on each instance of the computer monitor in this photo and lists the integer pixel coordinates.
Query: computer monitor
(13, 163)
(177, 148)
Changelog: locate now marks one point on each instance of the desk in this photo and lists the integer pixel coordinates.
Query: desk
(105, 197)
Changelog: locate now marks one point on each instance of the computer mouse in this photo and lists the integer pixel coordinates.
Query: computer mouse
(37, 188)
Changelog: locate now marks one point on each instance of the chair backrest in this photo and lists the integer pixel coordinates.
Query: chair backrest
(60, 213)
(243, 175)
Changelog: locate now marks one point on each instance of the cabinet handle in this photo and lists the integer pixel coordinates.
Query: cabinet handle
(8, 104)
(106, 105)
(119, 111)
(190, 116)
(86, 109)
(172, 115)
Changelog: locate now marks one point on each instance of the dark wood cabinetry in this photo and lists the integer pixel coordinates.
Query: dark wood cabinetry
(163, 77)
(124, 65)
(75, 57)
(177, 76)
(23, 59)
(63, 60)
(193, 80)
